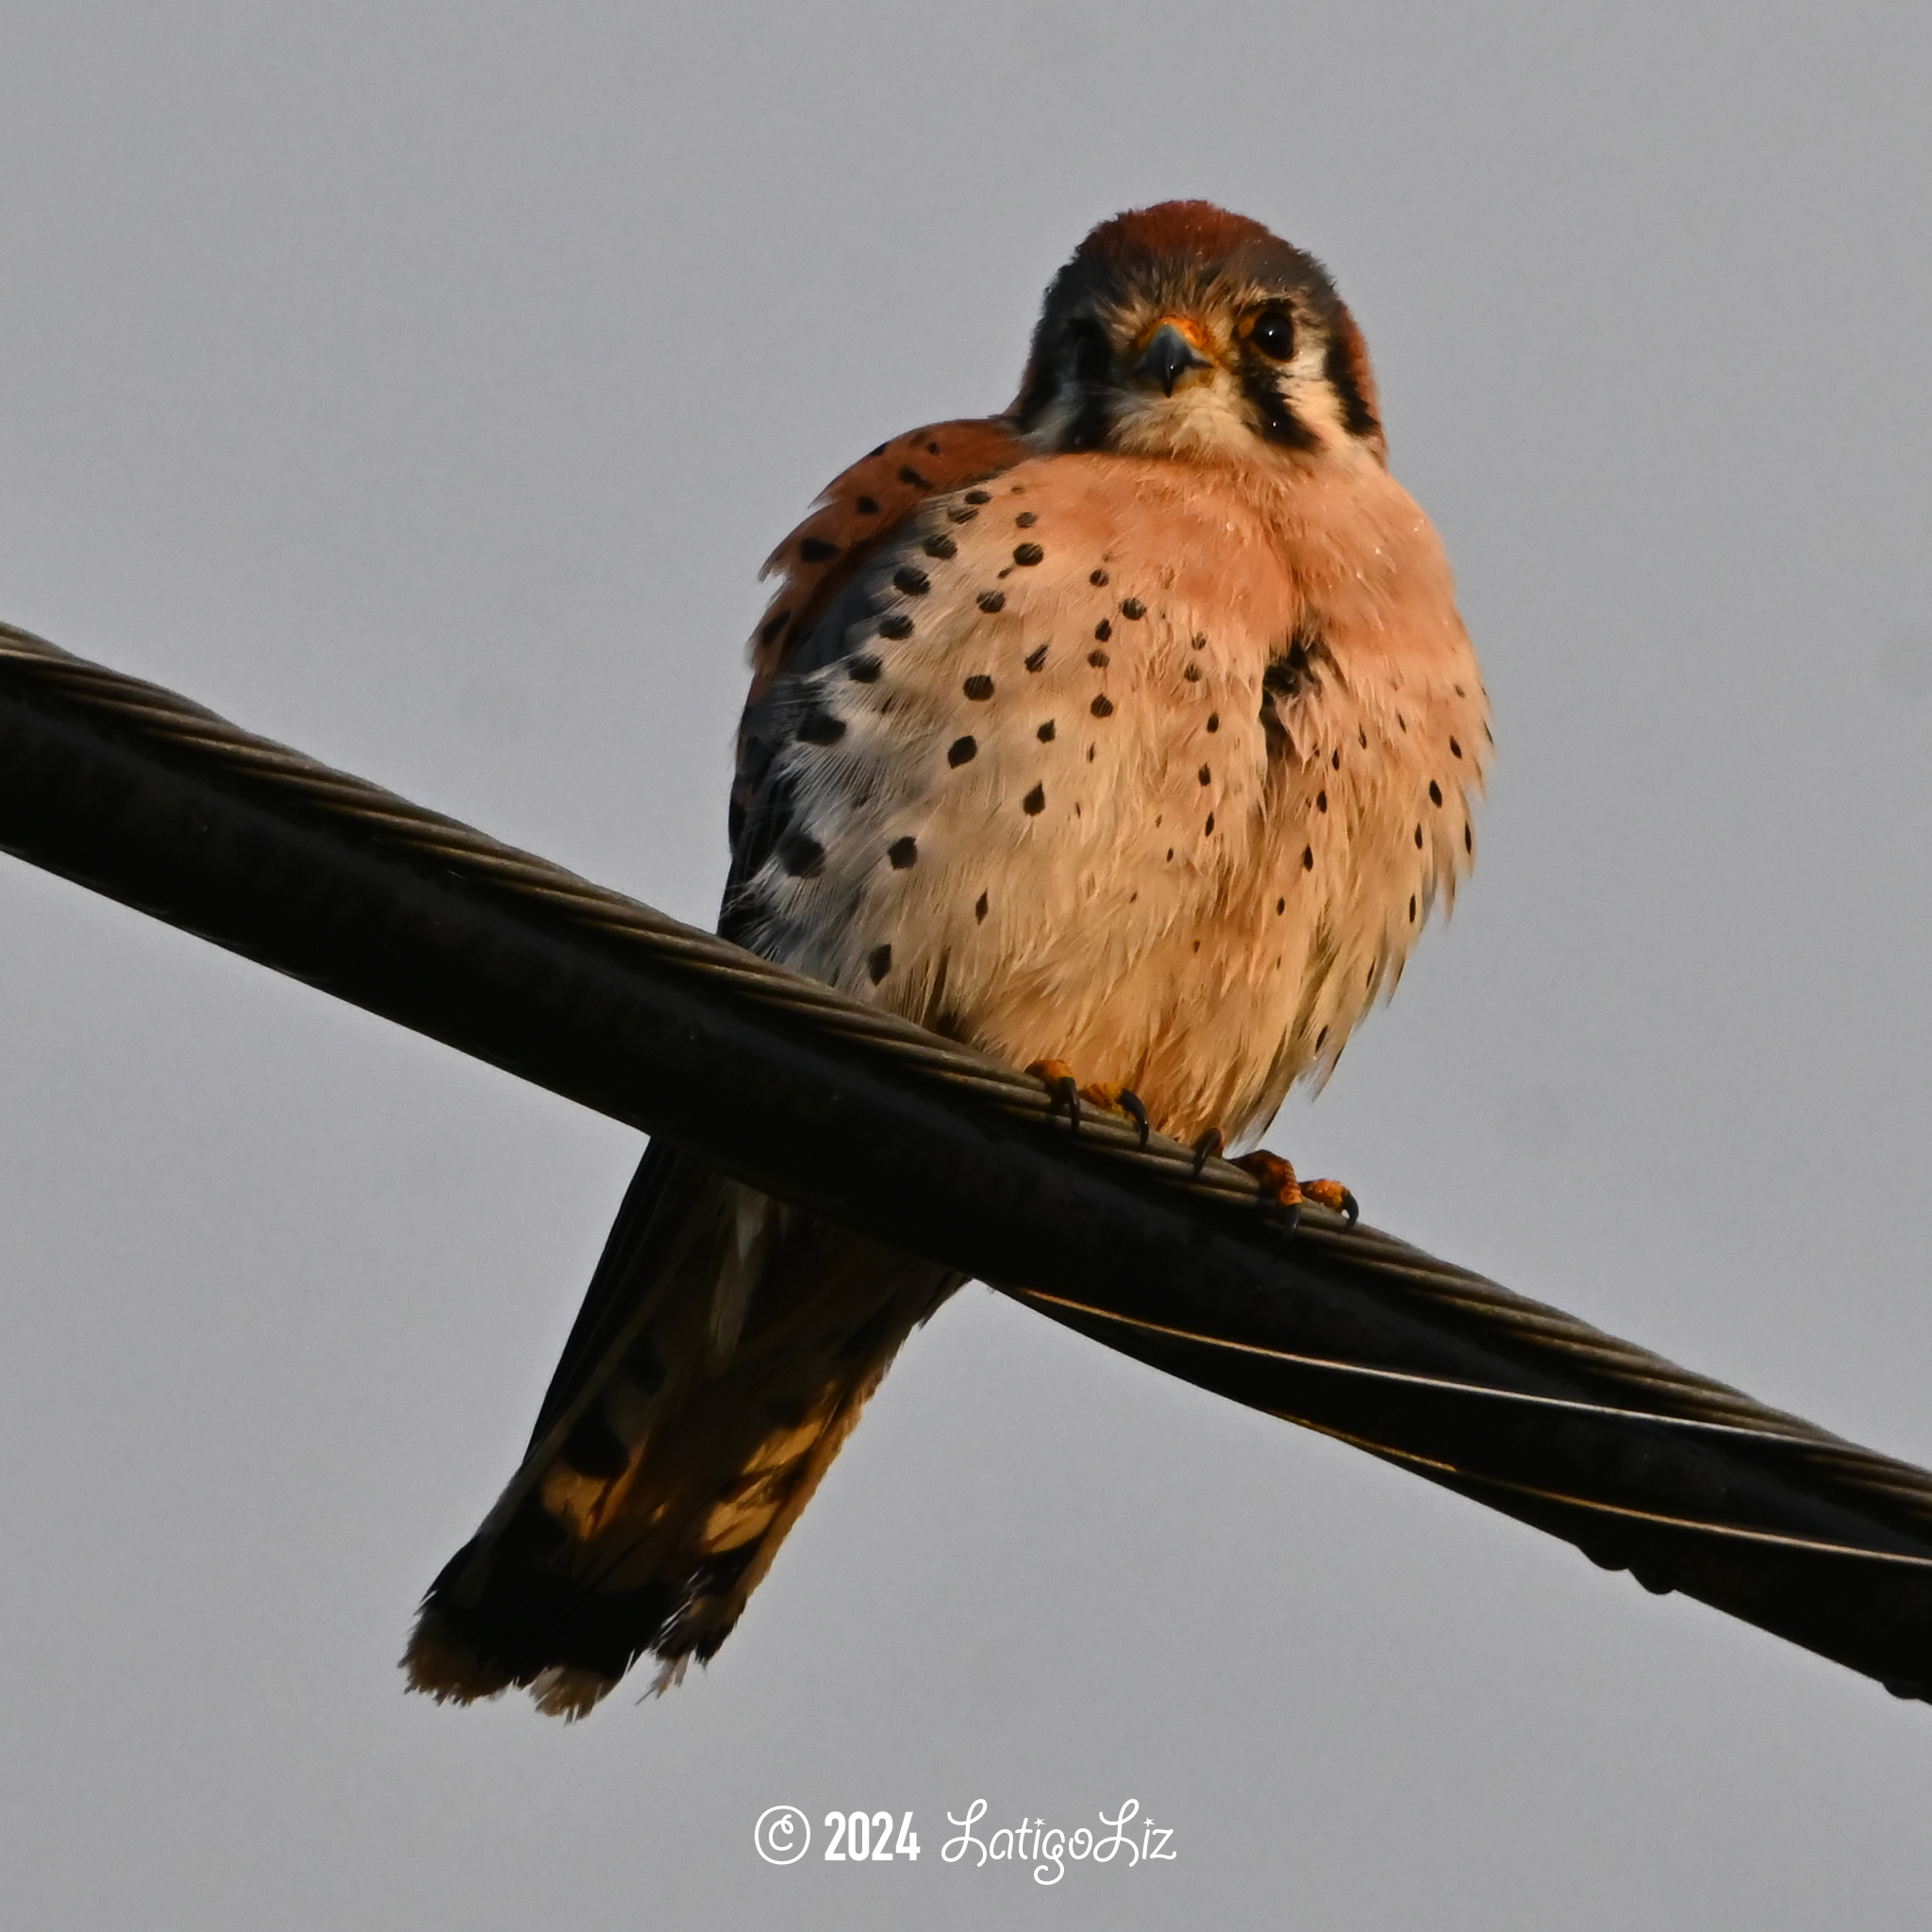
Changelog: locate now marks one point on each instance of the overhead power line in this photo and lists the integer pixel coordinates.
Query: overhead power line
(916, 1140)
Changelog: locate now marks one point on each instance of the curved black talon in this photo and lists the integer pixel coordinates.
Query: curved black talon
(1212, 1142)
(1351, 1207)
(1131, 1103)
(1062, 1089)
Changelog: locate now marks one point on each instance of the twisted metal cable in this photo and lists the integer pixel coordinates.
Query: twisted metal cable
(1565, 1371)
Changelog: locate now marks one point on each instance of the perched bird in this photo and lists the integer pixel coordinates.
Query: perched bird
(1130, 736)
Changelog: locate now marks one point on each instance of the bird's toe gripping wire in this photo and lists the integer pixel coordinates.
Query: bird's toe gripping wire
(1064, 1086)
(1280, 1188)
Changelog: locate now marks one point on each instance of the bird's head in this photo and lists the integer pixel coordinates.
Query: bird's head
(1183, 330)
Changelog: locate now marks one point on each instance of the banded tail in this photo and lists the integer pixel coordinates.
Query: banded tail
(723, 1354)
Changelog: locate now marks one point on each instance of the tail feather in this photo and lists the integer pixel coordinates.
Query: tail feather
(722, 1355)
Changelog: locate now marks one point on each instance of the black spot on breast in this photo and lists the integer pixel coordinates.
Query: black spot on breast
(1211, 824)
(979, 496)
(896, 625)
(1319, 1038)
(1099, 660)
(960, 514)
(1308, 858)
(991, 601)
(978, 687)
(1455, 749)
(1468, 840)
(866, 507)
(1102, 706)
(1102, 630)
(878, 962)
(1411, 909)
(820, 727)
(1321, 801)
(1029, 554)
(909, 475)
(775, 627)
(1089, 760)
(1363, 736)
(1335, 761)
(1214, 721)
(863, 669)
(902, 852)
(1207, 776)
(1417, 837)
(1035, 801)
(1132, 609)
(1193, 673)
(816, 550)
(1036, 658)
(960, 751)
(1280, 906)
(1045, 732)
(1401, 723)
(1170, 852)
(1199, 640)
(941, 546)
(801, 855)
(1027, 519)
(1435, 792)
(1099, 576)
(979, 907)
(913, 580)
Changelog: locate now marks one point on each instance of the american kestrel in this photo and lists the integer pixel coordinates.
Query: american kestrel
(1132, 732)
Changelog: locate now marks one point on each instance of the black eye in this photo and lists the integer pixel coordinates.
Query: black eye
(1093, 354)
(1273, 333)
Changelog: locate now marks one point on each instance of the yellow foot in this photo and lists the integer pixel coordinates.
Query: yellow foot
(1280, 1188)
(1060, 1082)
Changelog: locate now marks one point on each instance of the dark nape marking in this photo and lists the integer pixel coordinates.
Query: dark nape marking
(1308, 858)
(867, 506)
(878, 962)
(1045, 732)
(913, 580)
(1132, 609)
(941, 546)
(863, 669)
(1417, 837)
(909, 475)
(1036, 658)
(1468, 839)
(961, 750)
(1099, 576)
(1193, 673)
(801, 855)
(1099, 660)
(980, 908)
(1321, 801)
(991, 601)
(1102, 630)
(960, 514)
(1207, 776)
(1435, 792)
(819, 726)
(1210, 825)
(816, 550)
(978, 686)
(769, 635)
(1411, 909)
(1214, 721)
(1455, 749)
(1027, 519)
(1035, 801)
(1102, 706)
(1029, 552)
(1339, 367)
(896, 625)
(902, 852)
(979, 496)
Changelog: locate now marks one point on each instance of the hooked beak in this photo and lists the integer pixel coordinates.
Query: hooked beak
(1168, 357)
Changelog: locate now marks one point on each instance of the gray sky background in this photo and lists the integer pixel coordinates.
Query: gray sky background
(422, 385)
